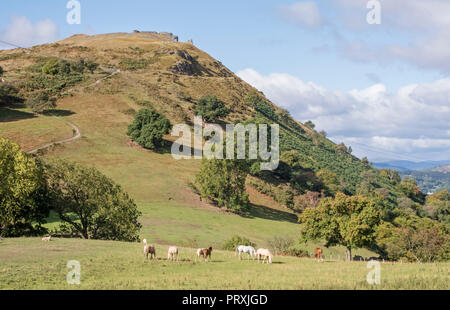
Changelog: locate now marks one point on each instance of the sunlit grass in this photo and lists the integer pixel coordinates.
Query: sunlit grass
(29, 263)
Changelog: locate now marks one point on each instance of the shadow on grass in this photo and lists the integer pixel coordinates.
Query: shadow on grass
(270, 214)
(10, 114)
(167, 148)
(57, 112)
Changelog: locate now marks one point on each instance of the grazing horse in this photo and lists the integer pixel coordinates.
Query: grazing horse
(246, 249)
(205, 253)
(265, 254)
(149, 249)
(172, 253)
(47, 239)
(318, 254)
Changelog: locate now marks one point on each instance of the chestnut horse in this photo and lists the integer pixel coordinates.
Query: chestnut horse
(318, 254)
(205, 253)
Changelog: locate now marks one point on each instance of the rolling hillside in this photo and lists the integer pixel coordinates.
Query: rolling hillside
(149, 69)
(431, 179)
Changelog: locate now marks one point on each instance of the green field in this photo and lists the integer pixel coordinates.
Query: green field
(29, 263)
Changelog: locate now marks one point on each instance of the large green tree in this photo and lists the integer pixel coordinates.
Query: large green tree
(223, 181)
(22, 192)
(349, 221)
(211, 108)
(91, 203)
(148, 128)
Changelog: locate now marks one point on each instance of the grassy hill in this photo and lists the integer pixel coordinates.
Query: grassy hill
(147, 69)
(171, 212)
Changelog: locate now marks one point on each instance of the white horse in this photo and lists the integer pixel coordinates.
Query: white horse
(265, 254)
(172, 253)
(246, 249)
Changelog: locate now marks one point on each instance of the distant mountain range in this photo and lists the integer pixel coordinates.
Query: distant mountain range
(431, 176)
(402, 165)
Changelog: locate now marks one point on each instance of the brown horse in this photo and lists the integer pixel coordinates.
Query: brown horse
(205, 253)
(149, 249)
(318, 254)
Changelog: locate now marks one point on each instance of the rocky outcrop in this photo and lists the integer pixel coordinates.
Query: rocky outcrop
(185, 55)
(186, 65)
(183, 67)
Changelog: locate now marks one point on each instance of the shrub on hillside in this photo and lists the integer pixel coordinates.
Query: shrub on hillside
(281, 193)
(56, 66)
(51, 67)
(211, 108)
(223, 181)
(296, 252)
(41, 101)
(91, 65)
(329, 180)
(1, 71)
(310, 125)
(78, 66)
(409, 187)
(148, 128)
(235, 241)
(263, 107)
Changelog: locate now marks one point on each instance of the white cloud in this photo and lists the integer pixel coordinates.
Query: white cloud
(302, 13)
(423, 27)
(406, 14)
(413, 121)
(20, 31)
(426, 22)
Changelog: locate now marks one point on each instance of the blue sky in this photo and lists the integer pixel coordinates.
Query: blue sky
(311, 57)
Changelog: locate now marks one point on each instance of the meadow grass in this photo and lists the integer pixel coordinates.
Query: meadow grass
(20, 124)
(29, 263)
